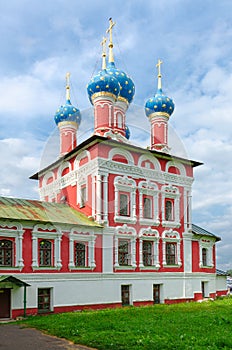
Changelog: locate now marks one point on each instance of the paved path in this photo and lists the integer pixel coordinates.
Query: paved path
(16, 337)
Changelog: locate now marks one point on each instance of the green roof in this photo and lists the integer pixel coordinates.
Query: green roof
(197, 230)
(34, 210)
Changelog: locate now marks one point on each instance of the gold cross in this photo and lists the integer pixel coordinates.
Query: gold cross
(67, 78)
(103, 44)
(109, 30)
(158, 65)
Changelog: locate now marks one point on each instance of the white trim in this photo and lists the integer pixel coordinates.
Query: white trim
(171, 192)
(207, 243)
(179, 166)
(171, 236)
(63, 166)
(151, 189)
(14, 230)
(148, 234)
(44, 231)
(125, 184)
(121, 152)
(153, 160)
(83, 236)
(127, 233)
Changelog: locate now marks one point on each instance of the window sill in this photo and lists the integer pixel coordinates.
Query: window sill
(82, 268)
(42, 268)
(206, 267)
(150, 222)
(125, 219)
(8, 268)
(153, 267)
(172, 266)
(171, 224)
(127, 267)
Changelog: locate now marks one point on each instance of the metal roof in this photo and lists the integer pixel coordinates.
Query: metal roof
(12, 279)
(221, 272)
(197, 230)
(34, 210)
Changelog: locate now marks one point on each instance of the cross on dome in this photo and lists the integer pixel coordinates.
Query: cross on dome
(109, 31)
(158, 65)
(103, 44)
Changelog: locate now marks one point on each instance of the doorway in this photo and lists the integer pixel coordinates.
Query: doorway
(156, 293)
(5, 296)
(125, 295)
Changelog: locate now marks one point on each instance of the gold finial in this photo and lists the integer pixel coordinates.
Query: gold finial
(67, 86)
(158, 65)
(103, 43)
(109, 30)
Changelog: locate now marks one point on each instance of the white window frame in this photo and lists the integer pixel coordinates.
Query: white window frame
(171, 192)
(148, 234)
(9, 229)
(129, 234)
(127, 185)
(171, 236)
(206, 242)
(89, 239)
(44, 232)
(150, 189)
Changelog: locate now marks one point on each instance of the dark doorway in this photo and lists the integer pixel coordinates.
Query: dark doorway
(125, 293)
(156, 293)
(5, 303)
(203, 289)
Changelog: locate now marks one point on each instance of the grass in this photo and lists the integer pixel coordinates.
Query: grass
(206, 325)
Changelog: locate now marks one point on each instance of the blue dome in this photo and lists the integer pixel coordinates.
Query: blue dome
(160, 103)
(127, 87)
(127, 132)
(68, 112)
(103, 83)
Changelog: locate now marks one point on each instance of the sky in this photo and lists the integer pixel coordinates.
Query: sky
(41, 41)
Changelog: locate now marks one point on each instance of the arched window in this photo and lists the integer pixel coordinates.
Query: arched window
(80, 254)
(168, 210)
(45, 253)
(6, 253)
(147, 253)
(204, 256)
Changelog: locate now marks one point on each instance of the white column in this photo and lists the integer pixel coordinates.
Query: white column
(93, 195)
(19, 250)
(189, 209)
(178, 253)
(141, 253)
(105, 199)
(98, 199)
(133, 252)
(71, 253)
(164, 253)
(34, 251)
(116, 252)
(57, 252)
(92, 263)
(156, 253)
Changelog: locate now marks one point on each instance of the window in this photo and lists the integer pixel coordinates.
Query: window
(6, 253)
(80, 254)
(45, 253)
(170, 253)
(123, 253)
(204, 256)
(83, 196)
(125, 294)
(147, 253)
(147, 207)
(44, 299)
(124, 205)
(168, 210)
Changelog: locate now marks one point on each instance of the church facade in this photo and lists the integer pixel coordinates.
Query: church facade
(113, 226)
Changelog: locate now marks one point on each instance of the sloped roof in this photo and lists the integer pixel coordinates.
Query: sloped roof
(197, 230)
(221, 272)
(12, 279)
(34, 210)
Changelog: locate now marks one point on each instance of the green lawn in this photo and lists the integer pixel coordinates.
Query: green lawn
(206, 325)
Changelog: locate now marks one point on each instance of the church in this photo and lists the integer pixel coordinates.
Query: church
(113, 225)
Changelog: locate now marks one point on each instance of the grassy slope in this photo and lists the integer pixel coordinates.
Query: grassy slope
(195, 326)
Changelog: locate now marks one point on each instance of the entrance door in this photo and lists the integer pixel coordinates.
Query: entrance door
(156, 293)
(203, 289)
(125, 293)
(5, 303)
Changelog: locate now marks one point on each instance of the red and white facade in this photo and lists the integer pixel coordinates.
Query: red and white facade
(133, 242)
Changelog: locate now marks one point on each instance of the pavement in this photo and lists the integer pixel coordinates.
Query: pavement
(17, 337)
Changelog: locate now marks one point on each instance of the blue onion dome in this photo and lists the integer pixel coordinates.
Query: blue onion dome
(103, 84)
(127, 132)
(127, 87)
(68, 112)
(160, 103)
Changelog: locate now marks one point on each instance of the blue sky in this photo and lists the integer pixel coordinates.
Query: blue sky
(41, 41)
